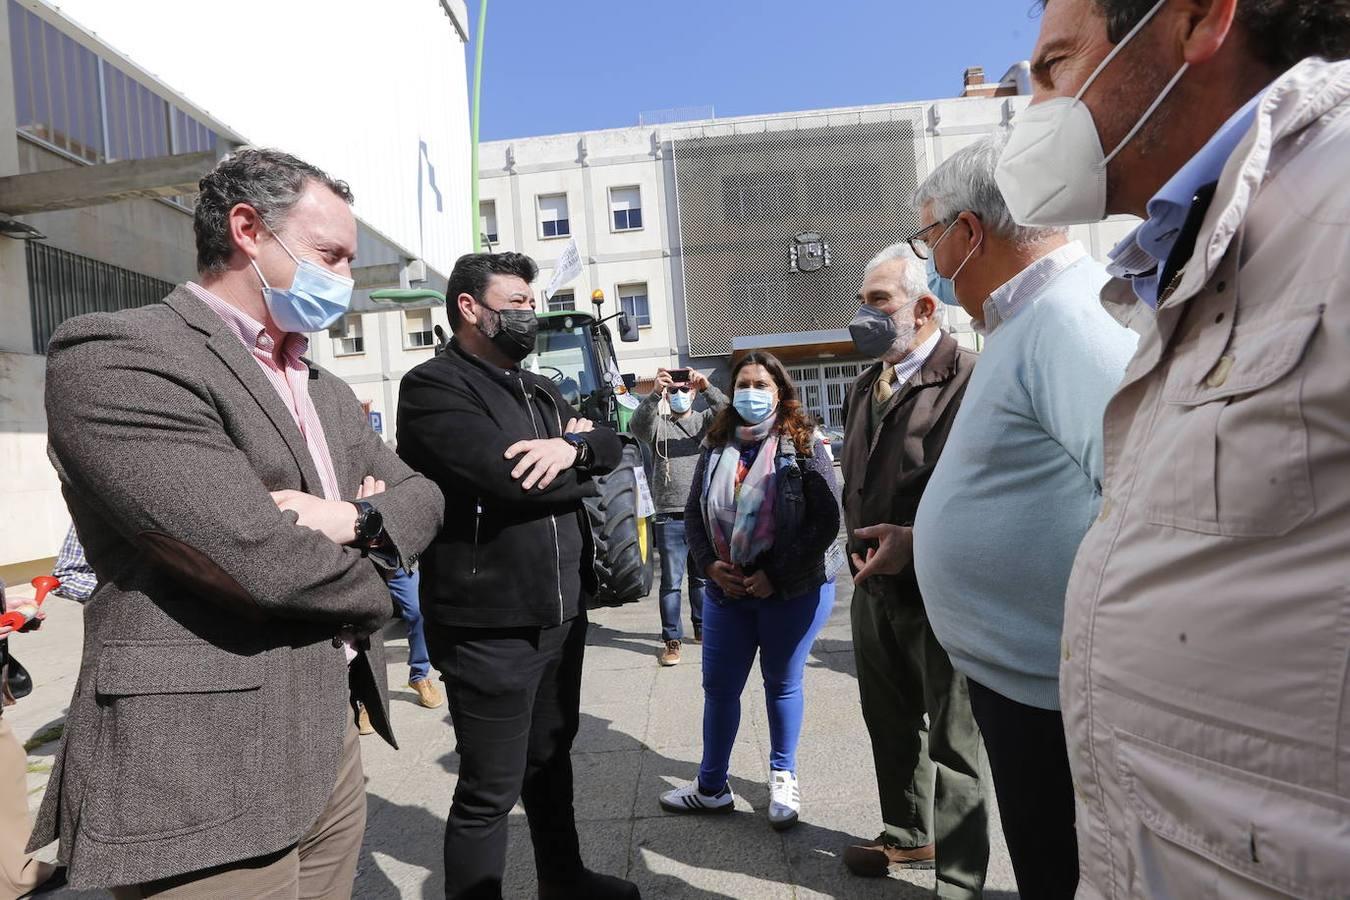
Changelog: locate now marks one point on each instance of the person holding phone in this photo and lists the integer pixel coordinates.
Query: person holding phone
(666, 422)
(760, 517)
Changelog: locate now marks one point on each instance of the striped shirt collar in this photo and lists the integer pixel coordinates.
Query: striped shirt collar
(908, 367)
(1019, 291)
(248, 329)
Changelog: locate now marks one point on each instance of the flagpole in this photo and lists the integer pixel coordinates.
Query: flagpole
(474, 214)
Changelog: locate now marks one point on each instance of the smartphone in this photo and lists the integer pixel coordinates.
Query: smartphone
(679, 376)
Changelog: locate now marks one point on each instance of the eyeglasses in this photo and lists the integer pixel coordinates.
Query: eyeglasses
(680, 388)
(919, 243)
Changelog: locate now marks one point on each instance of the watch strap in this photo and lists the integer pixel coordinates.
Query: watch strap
(583, 449)
(366, 511)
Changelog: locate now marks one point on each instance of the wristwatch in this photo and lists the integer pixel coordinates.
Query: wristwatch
(369, 523)
(583, 449)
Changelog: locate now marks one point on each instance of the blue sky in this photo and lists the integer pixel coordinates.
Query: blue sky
(555, 66)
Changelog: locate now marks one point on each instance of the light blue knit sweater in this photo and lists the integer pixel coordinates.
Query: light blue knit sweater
(1018, 484)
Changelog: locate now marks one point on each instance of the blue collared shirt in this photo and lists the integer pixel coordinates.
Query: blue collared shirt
(1143, 254)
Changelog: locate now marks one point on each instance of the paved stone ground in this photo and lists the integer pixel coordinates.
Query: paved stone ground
(640, 733)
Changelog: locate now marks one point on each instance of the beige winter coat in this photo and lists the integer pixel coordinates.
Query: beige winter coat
(1206, 672)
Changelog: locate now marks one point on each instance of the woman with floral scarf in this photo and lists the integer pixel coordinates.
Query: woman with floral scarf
(761, 515)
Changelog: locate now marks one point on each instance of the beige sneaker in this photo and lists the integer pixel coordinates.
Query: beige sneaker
(427, 695)
(671, 655)
(363, 725)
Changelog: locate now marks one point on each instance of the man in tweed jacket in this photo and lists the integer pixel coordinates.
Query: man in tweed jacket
(210, 748)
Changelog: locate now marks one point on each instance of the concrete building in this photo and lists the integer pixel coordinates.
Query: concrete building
(128, 103)
(722, 236)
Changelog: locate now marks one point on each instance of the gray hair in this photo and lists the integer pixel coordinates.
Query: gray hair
(913, 276)
(270, 181)
(965, 182)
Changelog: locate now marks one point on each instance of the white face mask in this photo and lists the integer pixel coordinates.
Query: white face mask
(1053, 170)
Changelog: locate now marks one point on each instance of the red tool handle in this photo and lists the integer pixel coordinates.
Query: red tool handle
(44, 585)
(21, 618)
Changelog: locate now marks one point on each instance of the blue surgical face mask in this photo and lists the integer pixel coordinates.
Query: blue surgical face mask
(944, 288)
(754, 405)
(680, 402)
(316, 298)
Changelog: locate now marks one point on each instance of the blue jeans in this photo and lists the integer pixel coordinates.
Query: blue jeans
(675, 562)
(403, 587)
(782, 629)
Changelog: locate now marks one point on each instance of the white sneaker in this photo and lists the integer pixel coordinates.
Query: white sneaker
(785, 800)
(689, 799)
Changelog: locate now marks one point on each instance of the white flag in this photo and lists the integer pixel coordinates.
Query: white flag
(567, 268)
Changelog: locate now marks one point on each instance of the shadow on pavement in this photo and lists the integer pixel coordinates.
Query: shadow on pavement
(409, 834)
(667, 855)
(835, 655)
(620, 770)
(47, 739)
(644, 644)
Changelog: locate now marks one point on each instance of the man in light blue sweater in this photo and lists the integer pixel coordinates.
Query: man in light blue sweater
(1017, 486)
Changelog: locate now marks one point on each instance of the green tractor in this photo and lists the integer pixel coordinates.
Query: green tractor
(576, 351)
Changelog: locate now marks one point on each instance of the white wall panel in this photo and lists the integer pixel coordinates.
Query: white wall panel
(375, 93)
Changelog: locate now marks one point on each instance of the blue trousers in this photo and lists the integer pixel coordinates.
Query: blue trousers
(403, 586)
(782, 629)
(675, 562)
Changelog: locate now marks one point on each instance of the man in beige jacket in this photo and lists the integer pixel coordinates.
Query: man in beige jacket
(1206, 657)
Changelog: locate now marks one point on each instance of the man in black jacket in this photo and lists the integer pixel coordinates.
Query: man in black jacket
(504, 584)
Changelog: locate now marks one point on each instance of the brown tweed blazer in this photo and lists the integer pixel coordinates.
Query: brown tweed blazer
(208, 718)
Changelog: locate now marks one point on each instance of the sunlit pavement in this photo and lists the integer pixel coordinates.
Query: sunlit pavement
(640, 733)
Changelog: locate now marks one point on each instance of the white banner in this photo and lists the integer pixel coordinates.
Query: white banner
(646, 506)
(567, 268)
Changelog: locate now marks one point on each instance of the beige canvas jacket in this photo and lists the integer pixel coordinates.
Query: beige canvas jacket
(1206, 672)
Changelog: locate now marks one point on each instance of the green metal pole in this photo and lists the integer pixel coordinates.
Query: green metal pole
(473, 125)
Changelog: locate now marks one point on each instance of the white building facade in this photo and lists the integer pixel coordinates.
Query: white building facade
(374, 94)
(702, 230)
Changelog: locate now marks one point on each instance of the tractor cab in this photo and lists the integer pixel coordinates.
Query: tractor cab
(576, 353)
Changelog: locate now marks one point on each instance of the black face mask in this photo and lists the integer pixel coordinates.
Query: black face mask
(514, 333)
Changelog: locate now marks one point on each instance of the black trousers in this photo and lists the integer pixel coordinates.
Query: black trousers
(514, 697)
(1030, 765)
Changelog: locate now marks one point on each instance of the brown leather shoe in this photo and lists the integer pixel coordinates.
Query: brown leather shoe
(427, 695)
(874, 860)
(671, 655)
(363, 725)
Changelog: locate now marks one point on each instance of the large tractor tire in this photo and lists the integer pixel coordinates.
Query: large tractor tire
(623, 558)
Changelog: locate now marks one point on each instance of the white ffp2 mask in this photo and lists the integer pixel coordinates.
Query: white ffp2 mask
(1053, 169)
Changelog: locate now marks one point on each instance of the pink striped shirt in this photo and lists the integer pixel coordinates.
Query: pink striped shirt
(290, 378)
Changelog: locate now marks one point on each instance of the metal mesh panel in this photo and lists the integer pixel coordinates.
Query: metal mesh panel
(743, 198)
(62, 285)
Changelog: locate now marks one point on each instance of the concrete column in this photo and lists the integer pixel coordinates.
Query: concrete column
(16, 321)
(33, 515)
